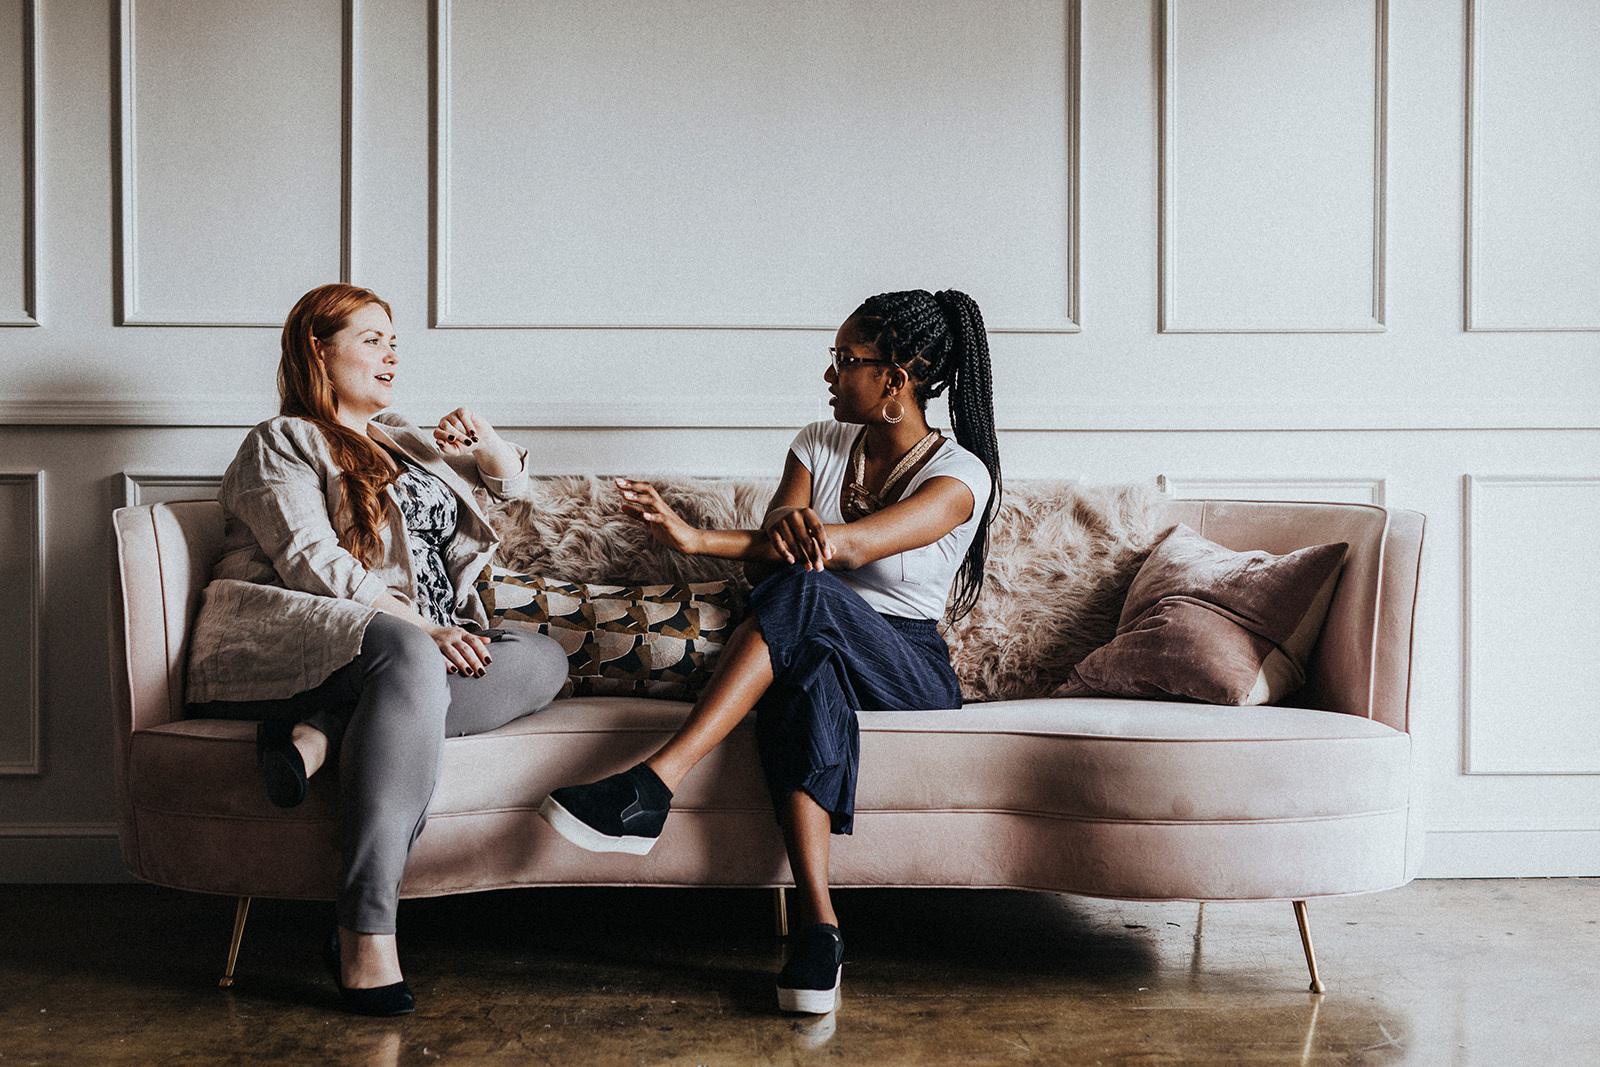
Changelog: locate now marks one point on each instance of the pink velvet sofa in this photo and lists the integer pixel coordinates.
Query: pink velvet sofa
(1133, 799)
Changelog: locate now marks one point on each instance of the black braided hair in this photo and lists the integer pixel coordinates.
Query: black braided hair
(938, 338)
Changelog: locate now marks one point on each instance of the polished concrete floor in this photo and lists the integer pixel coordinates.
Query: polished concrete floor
(1439, 972)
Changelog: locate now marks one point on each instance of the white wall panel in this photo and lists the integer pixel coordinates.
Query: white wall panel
(1533, 136)
(19, 183)
(1273, 168)
(1349, 490)
(1532, 692)
(163, 488)
(742, 164)
(233, 160)
(22, 592)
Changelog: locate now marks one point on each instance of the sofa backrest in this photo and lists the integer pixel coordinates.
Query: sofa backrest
(1361, 664)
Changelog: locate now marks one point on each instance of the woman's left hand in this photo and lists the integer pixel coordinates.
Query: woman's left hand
(461, 433)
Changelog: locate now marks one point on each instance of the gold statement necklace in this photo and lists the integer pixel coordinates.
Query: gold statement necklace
(858, 502)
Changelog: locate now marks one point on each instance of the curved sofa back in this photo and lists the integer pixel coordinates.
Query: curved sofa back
(1361, 664)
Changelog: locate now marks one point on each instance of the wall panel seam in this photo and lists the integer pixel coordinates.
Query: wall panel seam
(1110, 415)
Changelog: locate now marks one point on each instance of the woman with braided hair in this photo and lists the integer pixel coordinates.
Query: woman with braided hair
(874, 519)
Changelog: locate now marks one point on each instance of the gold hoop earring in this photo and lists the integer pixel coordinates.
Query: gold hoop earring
(900, 411)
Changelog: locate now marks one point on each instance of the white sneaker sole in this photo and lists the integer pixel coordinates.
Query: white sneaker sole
(583, 835)
(810, 1001)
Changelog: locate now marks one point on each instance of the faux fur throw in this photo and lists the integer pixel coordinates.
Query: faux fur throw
(1061, 558)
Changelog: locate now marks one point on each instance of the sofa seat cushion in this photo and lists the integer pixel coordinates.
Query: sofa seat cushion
(1084, 759)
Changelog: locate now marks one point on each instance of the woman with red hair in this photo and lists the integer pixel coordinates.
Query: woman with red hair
(343, 614)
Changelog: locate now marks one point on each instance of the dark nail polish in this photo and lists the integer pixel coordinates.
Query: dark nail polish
(480, 672)
(451, 670)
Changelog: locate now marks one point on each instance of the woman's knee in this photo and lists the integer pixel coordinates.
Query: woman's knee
(539, 661)
(393, 647)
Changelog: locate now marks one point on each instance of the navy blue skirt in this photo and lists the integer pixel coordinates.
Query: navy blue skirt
(832, 655)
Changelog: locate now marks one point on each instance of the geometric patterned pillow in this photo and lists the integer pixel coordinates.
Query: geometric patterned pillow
(621, 640)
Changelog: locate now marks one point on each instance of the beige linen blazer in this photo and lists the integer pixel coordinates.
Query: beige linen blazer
(287, 605)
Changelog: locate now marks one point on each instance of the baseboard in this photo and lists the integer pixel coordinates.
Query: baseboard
(61, 852)
(1511, 854)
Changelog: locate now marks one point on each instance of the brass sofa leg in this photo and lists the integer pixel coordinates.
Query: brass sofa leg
(780, 911)
(240, 913)
(1305, 940)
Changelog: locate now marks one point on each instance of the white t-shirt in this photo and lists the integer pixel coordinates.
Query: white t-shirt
(914, 584)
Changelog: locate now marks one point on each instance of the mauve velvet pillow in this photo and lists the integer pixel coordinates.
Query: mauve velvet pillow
(1203, 622)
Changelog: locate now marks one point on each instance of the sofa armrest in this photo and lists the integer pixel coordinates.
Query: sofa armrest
(1398, 597)
(1361, 664)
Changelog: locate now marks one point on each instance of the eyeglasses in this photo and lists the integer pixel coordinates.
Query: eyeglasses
(843, 361)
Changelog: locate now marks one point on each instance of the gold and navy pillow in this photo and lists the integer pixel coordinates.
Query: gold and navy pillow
(621, 640)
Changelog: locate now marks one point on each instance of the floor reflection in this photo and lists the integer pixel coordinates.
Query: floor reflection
(1436, 972)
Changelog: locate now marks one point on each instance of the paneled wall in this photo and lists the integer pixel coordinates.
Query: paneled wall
(1299, 249)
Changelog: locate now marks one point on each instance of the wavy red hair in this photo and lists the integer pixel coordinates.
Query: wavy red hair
(305, 391)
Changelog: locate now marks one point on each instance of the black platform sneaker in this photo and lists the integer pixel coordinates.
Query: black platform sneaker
(809, 982)
(622, 813)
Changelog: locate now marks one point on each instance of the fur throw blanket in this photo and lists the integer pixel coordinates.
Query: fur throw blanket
(1061, 558)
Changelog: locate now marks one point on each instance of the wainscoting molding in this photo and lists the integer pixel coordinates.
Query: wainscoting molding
(1473, 318)
(1165, 318)
(149, 488)
(1478, 491)
(766, 413)
(1511, 854)
(443, 315)
(1350, 489)
(20, 660)
(61, 853)
(129, 311)
(26, 312)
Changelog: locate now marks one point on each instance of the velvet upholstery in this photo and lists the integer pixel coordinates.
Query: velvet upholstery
(1203, 622)
(1100, 796)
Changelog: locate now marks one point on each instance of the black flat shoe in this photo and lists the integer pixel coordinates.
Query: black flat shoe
(622, 813)
(280, 762)
(395, 999)
(809, 982)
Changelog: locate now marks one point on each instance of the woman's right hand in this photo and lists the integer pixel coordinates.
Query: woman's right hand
(466, 652)
(643, 502)
(799, 534)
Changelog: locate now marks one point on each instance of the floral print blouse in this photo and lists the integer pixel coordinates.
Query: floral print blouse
(429, 508)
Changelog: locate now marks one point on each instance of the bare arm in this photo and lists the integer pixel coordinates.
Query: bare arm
(793, 494)
(938, 506)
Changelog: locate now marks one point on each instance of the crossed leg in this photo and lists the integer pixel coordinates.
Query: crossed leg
(743, 675)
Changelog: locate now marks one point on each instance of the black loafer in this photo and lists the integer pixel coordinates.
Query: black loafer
(809, 982)
(280, 762)
(622, 813)
(395, 999)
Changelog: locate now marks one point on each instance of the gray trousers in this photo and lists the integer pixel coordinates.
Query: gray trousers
(386, 714)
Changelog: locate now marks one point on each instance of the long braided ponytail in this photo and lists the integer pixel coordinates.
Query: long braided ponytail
(940, 341)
